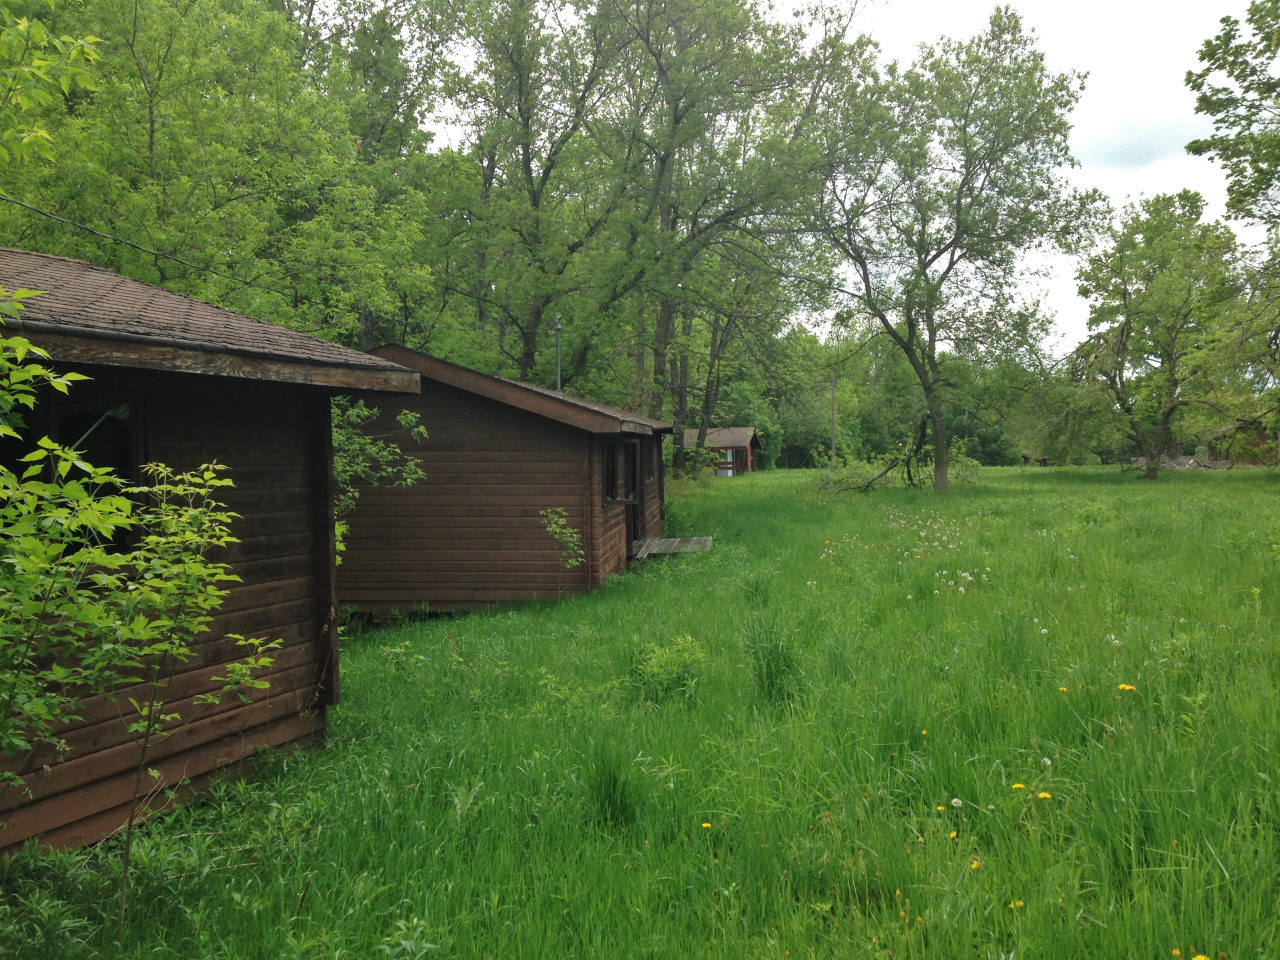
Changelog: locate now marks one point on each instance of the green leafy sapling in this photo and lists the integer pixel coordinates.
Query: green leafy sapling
(174, 591)
(360, 457)
(568, 538)
(80, 615)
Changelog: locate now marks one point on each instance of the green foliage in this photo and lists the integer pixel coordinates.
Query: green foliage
(65, 590)
(1161, 294)
(81, 616)
(361, 457)
(568, 538)
(940, 176)
(38, 68)
(1238, 88)
(671, 669)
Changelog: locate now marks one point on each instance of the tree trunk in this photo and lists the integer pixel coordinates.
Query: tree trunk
(941, 446)
(679, 385)
(641, 371)
(664, 332)
(529, 338)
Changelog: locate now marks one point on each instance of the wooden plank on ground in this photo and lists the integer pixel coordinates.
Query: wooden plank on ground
(659, 545)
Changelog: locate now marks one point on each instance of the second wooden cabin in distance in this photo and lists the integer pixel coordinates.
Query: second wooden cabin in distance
(497, 454)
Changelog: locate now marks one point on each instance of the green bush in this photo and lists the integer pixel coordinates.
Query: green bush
(665, 670)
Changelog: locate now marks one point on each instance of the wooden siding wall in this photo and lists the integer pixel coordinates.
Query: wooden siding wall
(653, 485)
(471, 534)
(275, 439)
(609, 518)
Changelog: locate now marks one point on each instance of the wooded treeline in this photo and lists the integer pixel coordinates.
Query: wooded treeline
(674, 187)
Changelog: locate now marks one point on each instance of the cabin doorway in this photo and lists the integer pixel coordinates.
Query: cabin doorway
(633, 493)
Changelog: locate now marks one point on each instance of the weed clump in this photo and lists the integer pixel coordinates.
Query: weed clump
(774, 664)
(665, 670)
(615, 791)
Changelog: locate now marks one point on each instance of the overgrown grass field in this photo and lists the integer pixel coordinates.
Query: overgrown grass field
(1034, 717)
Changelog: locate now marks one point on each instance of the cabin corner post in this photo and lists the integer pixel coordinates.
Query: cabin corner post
(596, 453)
(590, 547)
(327, 686)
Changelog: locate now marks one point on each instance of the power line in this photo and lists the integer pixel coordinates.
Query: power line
(293, 298)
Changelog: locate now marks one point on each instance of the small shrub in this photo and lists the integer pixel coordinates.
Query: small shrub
(665, 670)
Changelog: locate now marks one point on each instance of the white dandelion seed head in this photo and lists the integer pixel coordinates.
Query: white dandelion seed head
(957, 802)
(1046, 761)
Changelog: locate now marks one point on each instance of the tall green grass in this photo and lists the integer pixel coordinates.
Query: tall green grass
(805, 742)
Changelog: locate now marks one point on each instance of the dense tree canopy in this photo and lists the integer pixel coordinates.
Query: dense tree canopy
(679, 193)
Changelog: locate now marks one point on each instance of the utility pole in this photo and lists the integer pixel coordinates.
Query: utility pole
(558, 388)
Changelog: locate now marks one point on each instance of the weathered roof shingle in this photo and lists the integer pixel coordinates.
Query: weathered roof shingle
(156, 328)
(724, 438)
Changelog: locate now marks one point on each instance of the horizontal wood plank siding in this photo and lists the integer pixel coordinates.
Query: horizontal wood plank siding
(274, 439)
(471, 533)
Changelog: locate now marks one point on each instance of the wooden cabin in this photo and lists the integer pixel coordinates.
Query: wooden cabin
(186, 383)
(737, 447)
(499, 453)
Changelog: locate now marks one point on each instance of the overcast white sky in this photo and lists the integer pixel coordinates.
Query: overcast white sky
(1136, 114)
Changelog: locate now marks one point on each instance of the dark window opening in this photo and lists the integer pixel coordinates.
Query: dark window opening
(630, 471)
(102, 432)
(609, 469)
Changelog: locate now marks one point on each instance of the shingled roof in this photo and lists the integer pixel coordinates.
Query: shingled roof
(89, 315)
(725, 438)
(592, 417)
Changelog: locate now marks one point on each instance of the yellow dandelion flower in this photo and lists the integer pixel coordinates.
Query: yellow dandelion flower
(1019, 786)
(1063, 689)
(941, 808)
(974, 864)
(1126, 686)
(706, 826)
(1016, 904)
(924, 732)
(953, 834)
(1199, 956)
(1176, 953)
(1044, 796)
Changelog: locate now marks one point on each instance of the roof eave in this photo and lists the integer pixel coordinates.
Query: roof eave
(512, 393)
(72, 344)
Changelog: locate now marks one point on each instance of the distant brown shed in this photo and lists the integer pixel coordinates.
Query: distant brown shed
(498, 453)
(186, 383)
(737, 447)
